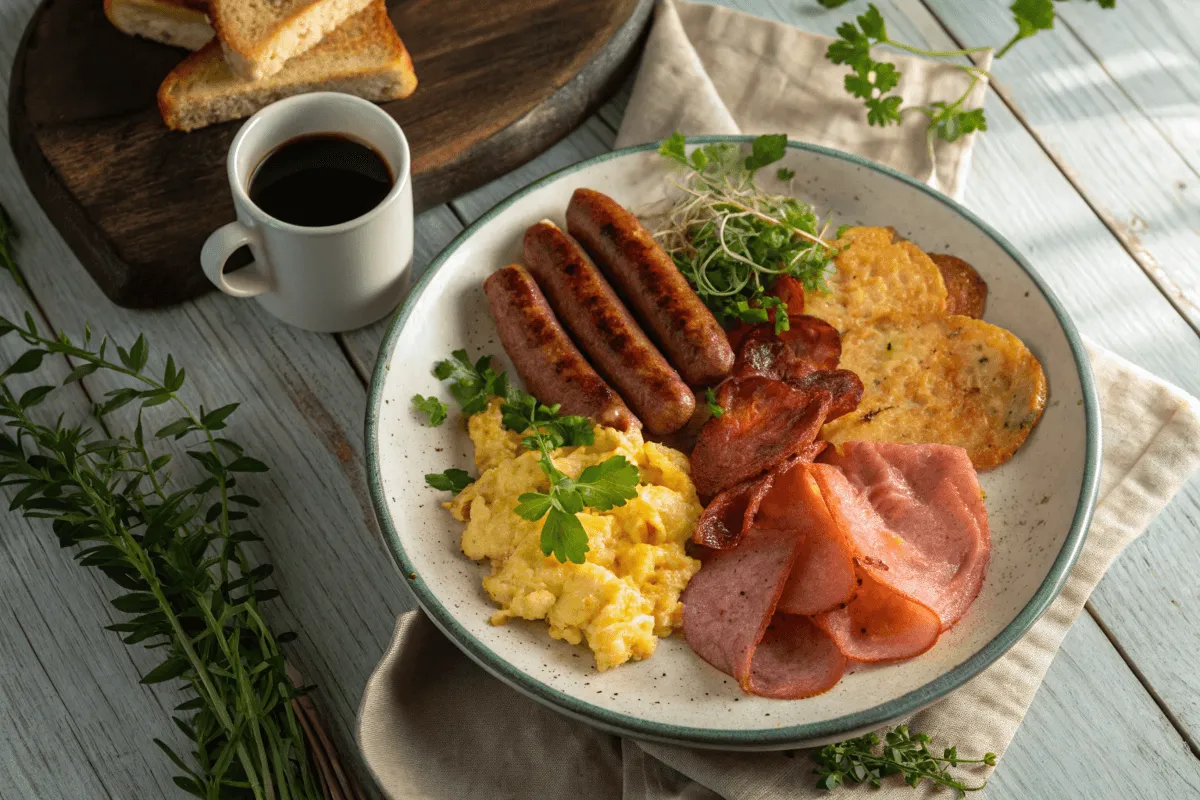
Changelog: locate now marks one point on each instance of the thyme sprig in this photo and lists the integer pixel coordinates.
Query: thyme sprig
(175, 547)
(864, 760)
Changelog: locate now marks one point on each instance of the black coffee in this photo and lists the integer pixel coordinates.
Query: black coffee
(320, 180)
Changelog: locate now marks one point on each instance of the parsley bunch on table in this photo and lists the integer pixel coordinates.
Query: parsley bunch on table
(731, 238)
(872, 81)
(602, 486)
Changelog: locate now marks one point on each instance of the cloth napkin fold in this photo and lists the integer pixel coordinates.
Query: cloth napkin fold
(709, 69)
(434, 725)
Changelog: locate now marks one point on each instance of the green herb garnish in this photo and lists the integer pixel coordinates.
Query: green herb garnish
(602, 486)
(174, 544)
(871, 81)
(431, 407)
(731, 239)
(452, 480)
(711, 398)
(471, 384)
(862, 760)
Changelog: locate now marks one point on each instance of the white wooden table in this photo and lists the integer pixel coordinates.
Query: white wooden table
(1091, 167)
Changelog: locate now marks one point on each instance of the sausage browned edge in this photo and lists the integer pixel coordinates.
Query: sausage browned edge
(604, 330)
(544, 356)
(647, 279)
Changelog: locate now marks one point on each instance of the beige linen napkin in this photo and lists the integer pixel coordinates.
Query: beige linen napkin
(709, 69)
(434, 725)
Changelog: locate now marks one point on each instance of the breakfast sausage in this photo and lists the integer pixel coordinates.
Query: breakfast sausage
(552, 367)
(648, 280)
(603, 328)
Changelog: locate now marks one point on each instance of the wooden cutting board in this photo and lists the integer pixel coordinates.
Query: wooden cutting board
(500, 81)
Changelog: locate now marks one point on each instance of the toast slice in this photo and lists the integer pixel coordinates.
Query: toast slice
(181, 23)
(259, 36)
(363, 57)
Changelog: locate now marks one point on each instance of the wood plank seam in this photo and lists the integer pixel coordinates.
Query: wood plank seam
(1120, 87)
(1122, 233)
(70, 728)
(1159, 701)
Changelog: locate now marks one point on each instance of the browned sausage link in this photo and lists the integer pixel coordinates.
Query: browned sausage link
(603, 328)
(648, 280)
(552, 367)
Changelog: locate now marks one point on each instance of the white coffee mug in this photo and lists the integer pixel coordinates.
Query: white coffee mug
(332, 278)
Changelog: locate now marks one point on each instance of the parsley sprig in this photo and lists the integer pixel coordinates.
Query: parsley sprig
(863, 760)
(872, 81)
(731, 238)
(602, 486)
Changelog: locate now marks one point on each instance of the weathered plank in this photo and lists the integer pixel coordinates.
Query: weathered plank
(1093, 732)
(1133, 175)
(66, 683)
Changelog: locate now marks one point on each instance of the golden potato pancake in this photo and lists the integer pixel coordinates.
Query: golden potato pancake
(950, 380)
(877, 275)
(966, 290)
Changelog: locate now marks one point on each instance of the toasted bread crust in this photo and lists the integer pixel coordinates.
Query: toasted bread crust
(179, 23)
(264, 56)
(387, 76)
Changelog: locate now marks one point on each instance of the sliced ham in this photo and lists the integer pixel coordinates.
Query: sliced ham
(795, 659)
(823, 576)
(915, 518)
(730, 601)
(880, 624)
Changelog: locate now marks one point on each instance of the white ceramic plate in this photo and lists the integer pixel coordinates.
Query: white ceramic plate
(1039, 502)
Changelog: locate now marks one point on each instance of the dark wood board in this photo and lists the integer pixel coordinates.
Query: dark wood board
(500, 81)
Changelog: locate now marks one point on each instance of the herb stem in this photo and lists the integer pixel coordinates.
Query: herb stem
(932, 53)
(1009, 45)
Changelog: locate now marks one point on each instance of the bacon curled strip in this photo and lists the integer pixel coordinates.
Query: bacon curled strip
(765, 423)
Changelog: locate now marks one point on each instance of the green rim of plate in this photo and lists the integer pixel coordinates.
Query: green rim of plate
(765, 738)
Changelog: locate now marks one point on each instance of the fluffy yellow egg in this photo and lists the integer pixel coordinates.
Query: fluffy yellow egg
(626, 594)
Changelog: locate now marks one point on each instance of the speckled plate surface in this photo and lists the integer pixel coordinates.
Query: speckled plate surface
(1039, 503)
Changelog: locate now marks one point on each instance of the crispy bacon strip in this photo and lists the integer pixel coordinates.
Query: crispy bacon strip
(765, 423)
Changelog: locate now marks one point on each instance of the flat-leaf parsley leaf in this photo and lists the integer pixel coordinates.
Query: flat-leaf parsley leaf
(431, 407)
(452, 480)
(602, 486)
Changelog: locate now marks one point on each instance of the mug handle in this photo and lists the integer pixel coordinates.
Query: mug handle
(219, 246)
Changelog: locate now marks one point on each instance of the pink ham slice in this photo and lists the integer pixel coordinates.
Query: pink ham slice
(823, 576)
(795, 659)
(727, 605)
(880, 624)
(914, 515)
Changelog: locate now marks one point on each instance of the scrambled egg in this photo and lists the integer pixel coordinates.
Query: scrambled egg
(627, 592)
